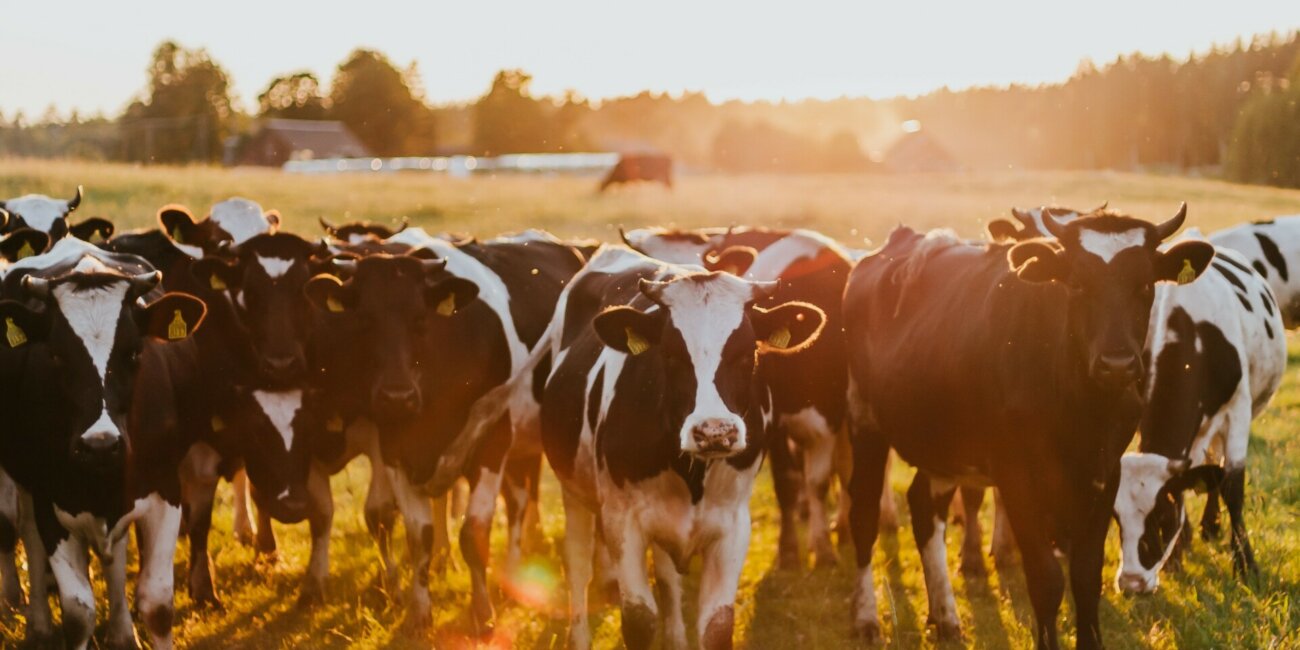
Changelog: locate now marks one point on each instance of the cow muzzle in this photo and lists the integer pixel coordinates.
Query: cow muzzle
(716, 437)
(97, 446)
(1116, 371)
(398, 400)
(1137, 583)
(283, 368)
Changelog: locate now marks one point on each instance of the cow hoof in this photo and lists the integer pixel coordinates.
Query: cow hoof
(1211, 532)
(206, 599)
(484, 625)
(128, 643)
(787, 556)
(972, 566)
(311, 595)
(244, 537)
(947, 632)
(869, 632)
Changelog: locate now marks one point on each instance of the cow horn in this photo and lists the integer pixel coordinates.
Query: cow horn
(145, 282)
(622, 235)
(348, 265)
(436, 264)
(406, 223)
(1101, 207)
(36, 287)
(1054, 227)
(1177, 466)
(76, 200)
(329, 228)
(652, 289)
(4, 216)
(1168, 228)
(1024, 216)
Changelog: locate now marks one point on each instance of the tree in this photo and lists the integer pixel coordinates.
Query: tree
(297, 96)
(1265, 146)
(373, 98)
(507, 119)
(185, 116)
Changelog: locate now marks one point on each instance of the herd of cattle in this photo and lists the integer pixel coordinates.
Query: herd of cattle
(141, 368)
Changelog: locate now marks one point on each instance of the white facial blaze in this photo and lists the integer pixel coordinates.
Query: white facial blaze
(1142, 476)
(242, 218)
(280, 407)
(93, 315)
(706, 314)
(1107, 245)
(275, 267)
(37, 210)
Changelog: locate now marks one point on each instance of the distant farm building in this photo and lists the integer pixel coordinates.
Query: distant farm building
(917, 150)
(278, 141)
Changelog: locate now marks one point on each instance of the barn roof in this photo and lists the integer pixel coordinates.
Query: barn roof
(919, 151)
(315, 138)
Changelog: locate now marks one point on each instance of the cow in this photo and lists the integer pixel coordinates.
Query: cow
(42, 214)
(654, 419)
(1273, 250)
(635, 167)
(1035, 393)
(355, 232)
(809, 389)
(1216, 355)
(438, 341)
(78, 338)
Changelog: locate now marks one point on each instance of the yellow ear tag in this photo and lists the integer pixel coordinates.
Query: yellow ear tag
(177, 329)
(1188, 273)
(333, 304)
(96, 237)
(780, 339)
(218, 424)
(217, 283)
(635, 343)
(448, 305)
(176, 236)
(14, 334)
(334, 424)
(26, 250)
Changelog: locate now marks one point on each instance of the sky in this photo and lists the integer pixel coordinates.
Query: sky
(91, 56)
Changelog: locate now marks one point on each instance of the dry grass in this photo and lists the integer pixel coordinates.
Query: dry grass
(1203, 607)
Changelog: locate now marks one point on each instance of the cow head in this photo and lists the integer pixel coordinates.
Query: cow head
(1149, 510)
(399, 306)
(356, 232)
(23, 243)
(91, 326)
(267, 279)
(1110, 263)
(706, 333)
(280, 433)
(40, 212)
(230, 223)
(673, 246)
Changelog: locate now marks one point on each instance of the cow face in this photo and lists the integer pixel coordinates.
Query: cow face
(40, 212)
(230, 223)
(268, 279)
(91, 330)
(1030, 224)
(280, 439)
(397, 305)
(706, 333)
(674, 246)
(1149, 510)
(1110, 263)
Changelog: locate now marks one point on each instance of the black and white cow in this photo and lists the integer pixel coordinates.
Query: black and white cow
(50, 216)
(1273, 250)
(654, 419)
(1216, 354)
(1035, 394)
(356, 232)
(438, 340)
(808, 390)
(76, 334)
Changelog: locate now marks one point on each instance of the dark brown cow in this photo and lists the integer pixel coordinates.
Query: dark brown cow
(640, 167)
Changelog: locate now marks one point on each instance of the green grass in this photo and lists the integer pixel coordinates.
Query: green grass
(1205, 606)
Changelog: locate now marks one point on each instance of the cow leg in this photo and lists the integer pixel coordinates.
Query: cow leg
(418, 515)
(121, 631)
(786, 483)
(888, 508)
(818, 455)
(40, 625)
(668, 596)
(475, 538)
(381, 505)
(156, 533)
(243, 525)
(71, 567)
(516, 488)
(972, 547)
(320, 520)
(627, 546)
(720, 578)
(1043, 576)
(265, 542)
(1087, 557)
(579, 548)
(1003, 547)
(199, 478)
(1234, 496)
(1210, 527)
(11, 589)
(929, 499)
(843, 461)
(870, 457)
(441, 534)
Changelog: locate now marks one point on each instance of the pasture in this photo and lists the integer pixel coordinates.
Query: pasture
(1204, 606)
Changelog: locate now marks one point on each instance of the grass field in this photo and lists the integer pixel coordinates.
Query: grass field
(1202, 607)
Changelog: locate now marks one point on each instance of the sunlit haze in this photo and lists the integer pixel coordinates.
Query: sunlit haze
(92, 57)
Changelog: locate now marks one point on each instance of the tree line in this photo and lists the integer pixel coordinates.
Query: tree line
(1230, 110)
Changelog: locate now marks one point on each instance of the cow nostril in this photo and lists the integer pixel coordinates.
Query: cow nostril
(715, 434)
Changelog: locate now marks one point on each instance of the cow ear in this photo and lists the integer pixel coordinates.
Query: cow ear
(1200, 478)
(735, 260)
(451, 295)
(629, 330)
(216, 274)
(21, 324)
(95, 230)
(1002, 230)
(178, 224)
(22, 243)
(174, 316)
(328, 294)
(1184, 261)
(787, 328)
(1036, 261)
